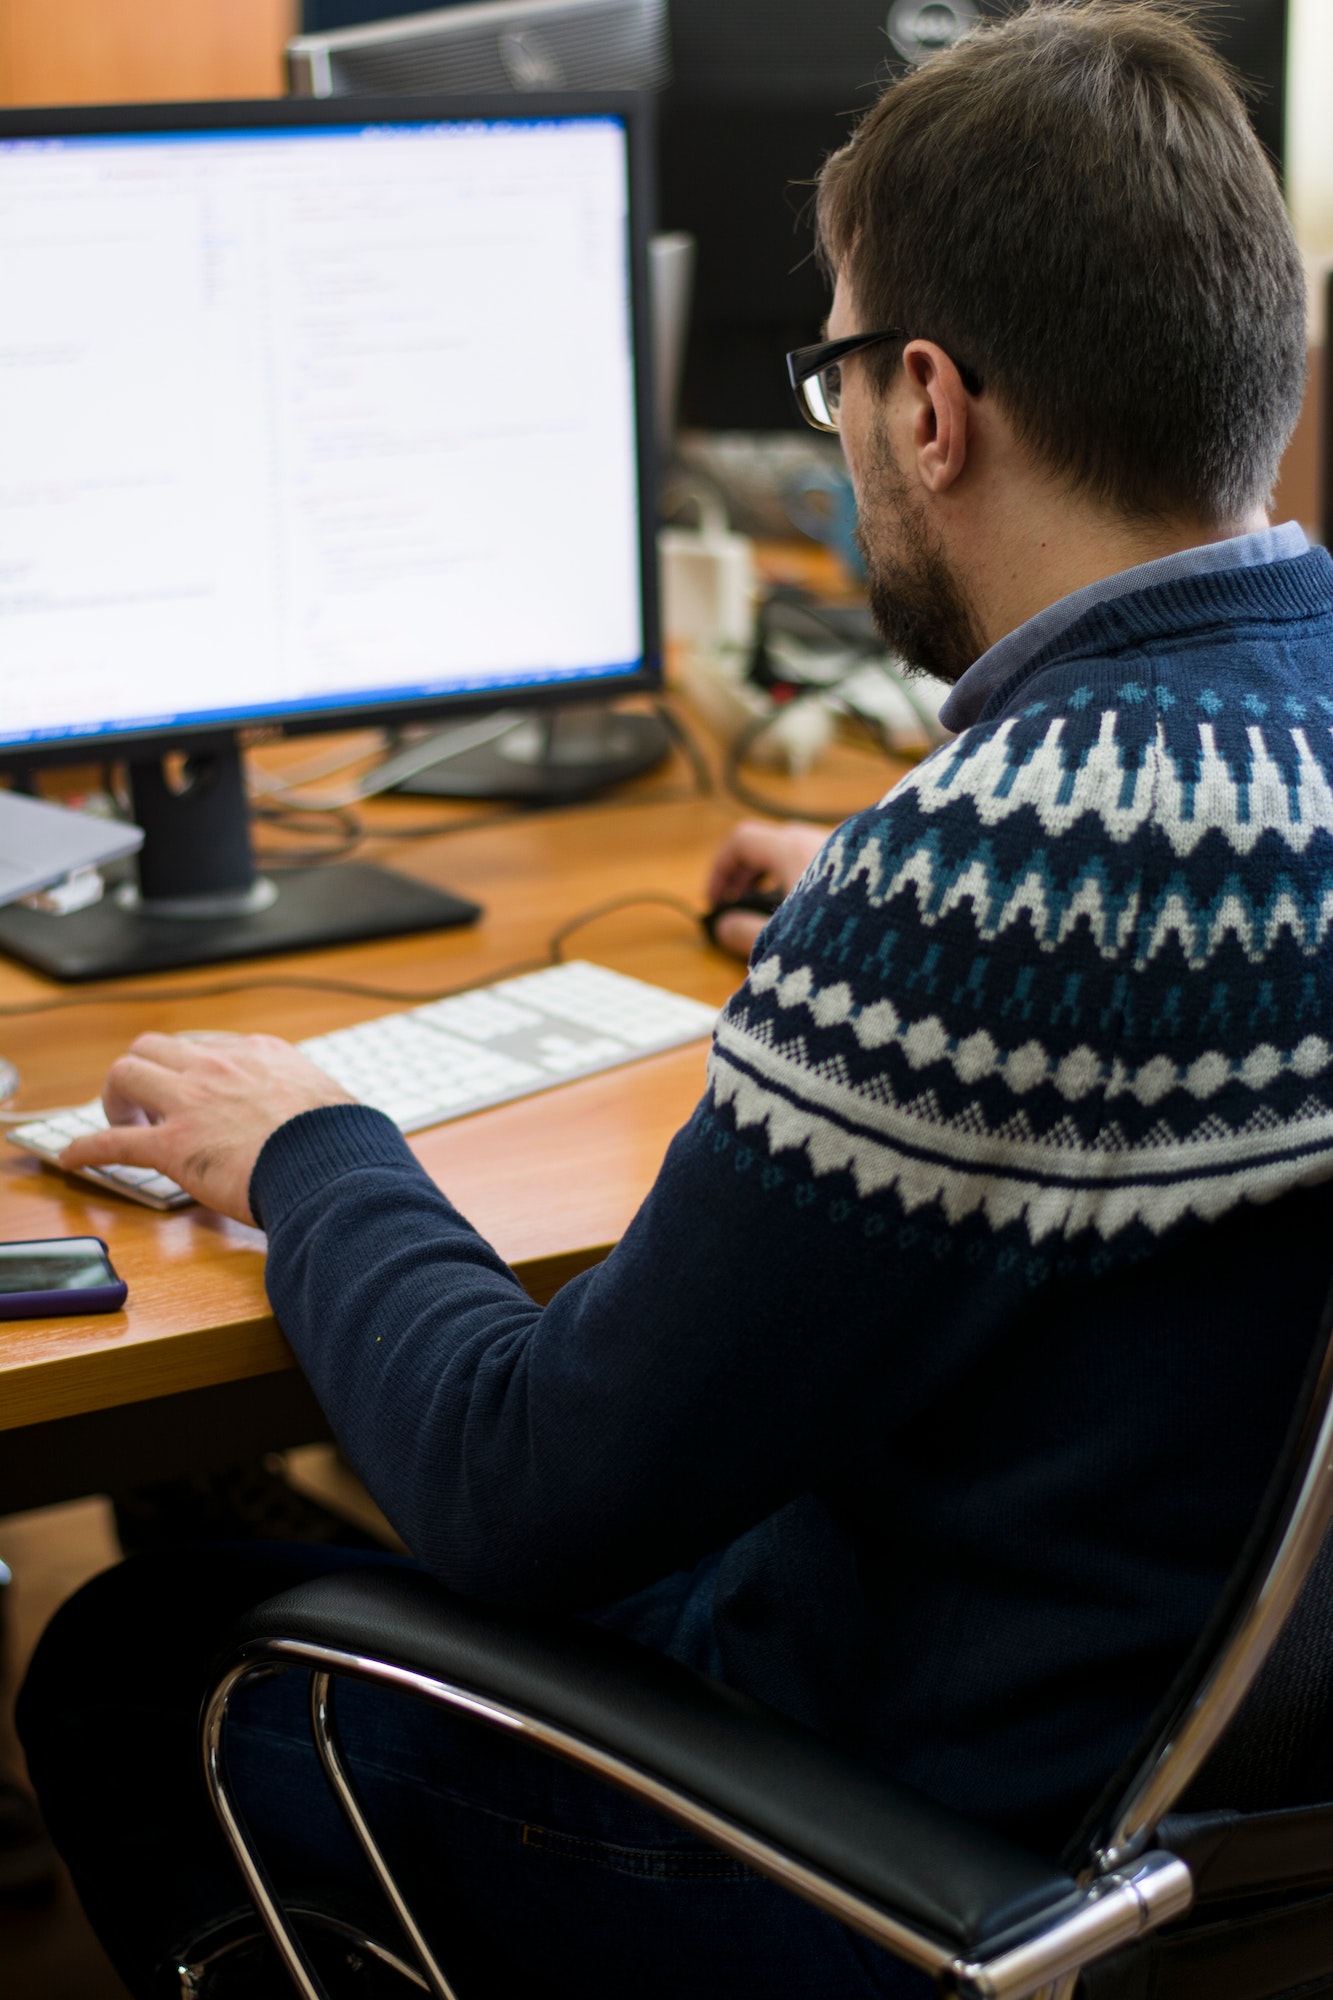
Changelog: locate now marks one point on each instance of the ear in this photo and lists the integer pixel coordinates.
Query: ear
(940, 411)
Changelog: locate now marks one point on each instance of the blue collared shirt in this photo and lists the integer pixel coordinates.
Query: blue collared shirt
(972, 690)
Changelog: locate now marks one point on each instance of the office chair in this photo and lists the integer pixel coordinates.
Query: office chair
(28, 1865)
(1205, 1872)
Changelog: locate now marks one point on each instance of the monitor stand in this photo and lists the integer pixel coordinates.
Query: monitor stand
(548, 757)
(198, 899)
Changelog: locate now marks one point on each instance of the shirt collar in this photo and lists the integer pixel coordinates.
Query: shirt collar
(972, 690)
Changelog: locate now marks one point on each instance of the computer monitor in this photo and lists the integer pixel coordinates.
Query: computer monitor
(315, 415)
(487, 45)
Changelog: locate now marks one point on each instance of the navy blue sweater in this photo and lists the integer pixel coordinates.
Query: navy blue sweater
(966, 1315)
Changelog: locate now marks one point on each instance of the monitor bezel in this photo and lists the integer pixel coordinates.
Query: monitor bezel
(635, 110)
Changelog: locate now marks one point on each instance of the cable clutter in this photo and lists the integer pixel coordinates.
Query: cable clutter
(775, 671)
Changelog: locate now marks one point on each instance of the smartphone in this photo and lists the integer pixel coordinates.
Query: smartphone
(58, 1274)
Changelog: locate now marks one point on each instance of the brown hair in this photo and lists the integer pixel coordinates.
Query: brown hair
(1072, 202)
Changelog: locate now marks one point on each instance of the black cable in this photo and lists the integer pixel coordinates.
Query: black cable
(675, 727)
(221, 988)
(756, 801)
(686, 742)
(866, 649)
(737, 751)
(671, 723)
(669, 796)
(352, 833)
(145, 996)
(556, 945)
(438, 829)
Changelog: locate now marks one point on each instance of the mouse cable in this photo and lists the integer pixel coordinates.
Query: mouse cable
(613, 904)
(144, 996)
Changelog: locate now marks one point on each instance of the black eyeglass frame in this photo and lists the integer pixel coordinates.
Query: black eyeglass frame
(803, 362)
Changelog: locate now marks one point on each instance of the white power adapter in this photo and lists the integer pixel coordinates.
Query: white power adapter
(708, 581)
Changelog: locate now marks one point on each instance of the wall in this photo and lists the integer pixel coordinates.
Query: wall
(1299, 492)
(1310, 198)
(1309, 126)
(104, 51)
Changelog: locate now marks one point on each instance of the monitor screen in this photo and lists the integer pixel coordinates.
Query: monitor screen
(313, 419)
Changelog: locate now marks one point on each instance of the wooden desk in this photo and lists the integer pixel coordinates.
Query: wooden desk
(195, 1370)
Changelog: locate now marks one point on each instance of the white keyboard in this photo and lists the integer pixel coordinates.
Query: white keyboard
(450, 1057)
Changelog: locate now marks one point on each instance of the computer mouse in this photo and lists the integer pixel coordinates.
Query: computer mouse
(757, 902)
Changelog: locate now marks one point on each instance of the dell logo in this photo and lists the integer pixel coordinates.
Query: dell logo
(919, 28)
(530, 63)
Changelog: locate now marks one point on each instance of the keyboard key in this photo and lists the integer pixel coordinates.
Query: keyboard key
(45, 1138)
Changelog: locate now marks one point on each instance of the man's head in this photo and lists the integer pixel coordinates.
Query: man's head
(1071, 205)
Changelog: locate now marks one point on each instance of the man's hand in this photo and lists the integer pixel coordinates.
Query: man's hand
(756, 855)
(199, 1108)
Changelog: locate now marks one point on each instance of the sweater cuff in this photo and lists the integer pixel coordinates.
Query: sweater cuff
(318, 1147)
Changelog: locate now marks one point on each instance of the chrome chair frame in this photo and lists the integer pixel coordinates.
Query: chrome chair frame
(1116, 1908)
(1006, 1928)
(194, 1969)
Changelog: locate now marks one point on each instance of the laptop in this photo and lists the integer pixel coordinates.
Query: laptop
(41, 844)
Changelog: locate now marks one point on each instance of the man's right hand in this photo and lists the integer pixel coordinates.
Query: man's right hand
(200, 1108)
(758, 855)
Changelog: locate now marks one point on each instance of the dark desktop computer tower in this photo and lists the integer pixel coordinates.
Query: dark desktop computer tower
(763, 91)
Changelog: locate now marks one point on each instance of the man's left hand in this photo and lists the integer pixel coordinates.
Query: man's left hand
(200, 1107)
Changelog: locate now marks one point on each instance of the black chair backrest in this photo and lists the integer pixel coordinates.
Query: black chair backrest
(1279, 1750)
(1257, 1664)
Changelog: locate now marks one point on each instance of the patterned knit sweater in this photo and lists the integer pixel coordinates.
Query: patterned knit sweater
(954, 1344)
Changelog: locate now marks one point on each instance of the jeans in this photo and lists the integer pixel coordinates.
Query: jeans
(529, 1876)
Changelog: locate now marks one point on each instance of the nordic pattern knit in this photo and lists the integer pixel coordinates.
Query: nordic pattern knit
(926, 1353)
(1116, 897)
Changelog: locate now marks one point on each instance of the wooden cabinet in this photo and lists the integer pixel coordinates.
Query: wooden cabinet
(113, 51)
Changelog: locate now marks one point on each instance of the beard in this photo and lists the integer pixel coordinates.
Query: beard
(920, 607)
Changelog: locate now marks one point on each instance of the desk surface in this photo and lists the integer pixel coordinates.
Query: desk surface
(552, 1180)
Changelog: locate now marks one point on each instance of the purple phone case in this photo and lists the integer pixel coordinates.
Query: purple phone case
(65, 1303)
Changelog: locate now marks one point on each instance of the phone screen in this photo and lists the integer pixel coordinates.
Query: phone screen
(70, 1264)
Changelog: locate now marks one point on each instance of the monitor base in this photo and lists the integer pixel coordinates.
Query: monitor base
(550, 758)
(341, 904)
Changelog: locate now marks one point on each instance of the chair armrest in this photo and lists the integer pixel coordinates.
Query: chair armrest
(931, 1869)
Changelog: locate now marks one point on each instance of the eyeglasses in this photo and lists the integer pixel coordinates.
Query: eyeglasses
(816, 375)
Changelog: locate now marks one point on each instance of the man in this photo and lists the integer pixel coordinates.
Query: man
(931, 1392)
